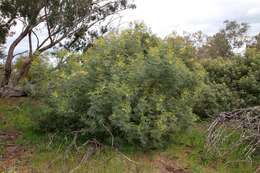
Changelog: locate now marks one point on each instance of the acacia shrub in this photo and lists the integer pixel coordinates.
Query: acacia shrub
(135, 91)
(231, 84)
(240, 74)
(212, 99)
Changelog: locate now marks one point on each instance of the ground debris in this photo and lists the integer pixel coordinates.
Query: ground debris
(242, 122)
(166, 165)
(12, 154)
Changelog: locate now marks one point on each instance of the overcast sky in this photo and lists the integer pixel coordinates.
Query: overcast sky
(165, 16)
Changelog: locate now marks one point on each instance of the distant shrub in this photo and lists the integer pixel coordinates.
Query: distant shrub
(135, 91)
(240, 75)
(213, 99)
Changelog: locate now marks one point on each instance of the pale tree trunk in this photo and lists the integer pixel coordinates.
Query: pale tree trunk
(10, 56)
(27, 63)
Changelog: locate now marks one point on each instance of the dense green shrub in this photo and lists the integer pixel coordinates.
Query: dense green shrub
(231, 84)
(138, 89)
(37, 81)
(214, 98)
(48, 72)
(240, 75)
(135, 91)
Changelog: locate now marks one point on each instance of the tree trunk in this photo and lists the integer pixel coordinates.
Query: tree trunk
(10, 56)
(27, 63)
(8, 66)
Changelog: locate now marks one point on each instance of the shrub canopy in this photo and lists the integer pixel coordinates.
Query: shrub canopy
(135, 90)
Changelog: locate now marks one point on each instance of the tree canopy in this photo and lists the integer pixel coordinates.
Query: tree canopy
(67, 23)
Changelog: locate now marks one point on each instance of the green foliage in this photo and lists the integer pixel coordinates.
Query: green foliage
(236, 33)
(135, 91)
(231, 84)
(37, 81)
(181, 47)
(21, 115)
(241, 75)
(74, 19)
(223, 43)
(213, 99)
(47, 74)
(218, 46)
(70, 24)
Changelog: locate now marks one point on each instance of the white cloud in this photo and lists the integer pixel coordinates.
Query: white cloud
(165, 16)
(253, 11)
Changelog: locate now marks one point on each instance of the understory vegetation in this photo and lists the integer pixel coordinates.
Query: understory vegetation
(54, 153)
(134, 102)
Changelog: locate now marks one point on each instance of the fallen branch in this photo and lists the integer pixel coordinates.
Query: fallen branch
(244, 124)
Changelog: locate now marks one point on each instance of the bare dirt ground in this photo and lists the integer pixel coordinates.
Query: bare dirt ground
(12, 156)
(166, 165)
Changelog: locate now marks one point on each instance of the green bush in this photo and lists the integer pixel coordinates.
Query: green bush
(213, 99)
(48, 72)
(36, 83)
(231, 84)
(241, 75)
(134, 90)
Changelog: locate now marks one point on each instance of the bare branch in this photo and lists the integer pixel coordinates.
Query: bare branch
(242, 123)
(38, 41)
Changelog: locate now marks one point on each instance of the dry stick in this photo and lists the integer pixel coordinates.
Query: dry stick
(51, 138)
(110, 133)
(91, 151)
(127, 158)
(245, 120)
(112, 144)
(57, 158)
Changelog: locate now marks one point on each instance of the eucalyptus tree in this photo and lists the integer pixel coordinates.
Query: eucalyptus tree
(236, 33)
(66, 23)
(225, 42)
